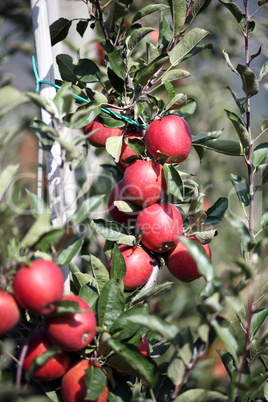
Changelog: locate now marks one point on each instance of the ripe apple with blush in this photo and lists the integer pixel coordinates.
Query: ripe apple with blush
(144, 182)
(139, 266)
(169, 135)
(182, 265)
(9, 312)
(73, 386)
(72, 331)
(102, 133)
(162, 224)
(55, 367)
(39, 287)
(118, 194)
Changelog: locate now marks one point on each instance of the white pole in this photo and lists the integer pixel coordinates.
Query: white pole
(48, 92)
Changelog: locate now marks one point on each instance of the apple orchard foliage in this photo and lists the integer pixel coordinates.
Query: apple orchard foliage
(108, 339)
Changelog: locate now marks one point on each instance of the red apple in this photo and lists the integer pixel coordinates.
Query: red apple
(127, 152)
(144, 347)
(55, 367)
(144, 182)
(162, 224)
(72, 331)
(9, 312)
(98, 138)
(170, 135)
(182, 265)
(118, 194)
(139, 266)
(73, 387)
(39, 287)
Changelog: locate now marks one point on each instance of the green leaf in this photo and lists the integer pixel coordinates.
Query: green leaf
(50, 238)
(89, 294)
(258, 318)
(147, 293)
(247, 240)
(147, 10)
(111, 304)
(226, 147)
(201, 395)
(241, 102)
(178, 100)
(95, 380)
(198, 7)
(88, 205)
(250, 82)
(113, 146)
(121, 328)
(229, 63)
(174, 75)
(99, 270)
(67, 307)
(174, 181)
(264, 219)
(178, 12)
(262, 2)
(81, 27)
(87, 71)
(176, 369)
(59, 30)
(40, 227)
(6, 178)
(66, 67)
(239, 127)
(115, 60)
(108, 229)
(242, 189)
(225, 334)
(260, 154)
(228, 361)
(80, 279)
(41, 102)
(136, 144)
(234, 8)
(168, 331)
(136, 36)
(10, 97)
(216, 212)
(203, 137)
(85, 116)
(145, 74)
(66, 255)
(128, 358)
(118, 266)
(264, 71)
(199, 255)
(188, 42)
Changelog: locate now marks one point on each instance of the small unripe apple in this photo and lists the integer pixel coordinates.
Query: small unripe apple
(182, 265)
(73, 386)
(118, 194)
(139, 266)
(126, 151)
(144, 182)
(162, 225)
(72, 331)
(102, 133)
(170, 135)
(55, 367)
(39, 287)
(9, 312)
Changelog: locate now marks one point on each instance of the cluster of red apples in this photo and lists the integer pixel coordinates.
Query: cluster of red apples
(39, 288)
(143, 187)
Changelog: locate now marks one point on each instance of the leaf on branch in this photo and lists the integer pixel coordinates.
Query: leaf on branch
(66, 67)
(59, 30)
(229, 63)
(259, 154)
(87, 71)
(201, 395)
(198, 7)
(259, 317)
(228, 361)
(113, 147)
(111, 304)
(241, 102)
(239, 127)
(242, 189)
(178, 12)
(95, 380)
(233, 8)
(147, 10)
(110, 230)
(81, 27)
(216, 212)
(250, 82)
(188, 42)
